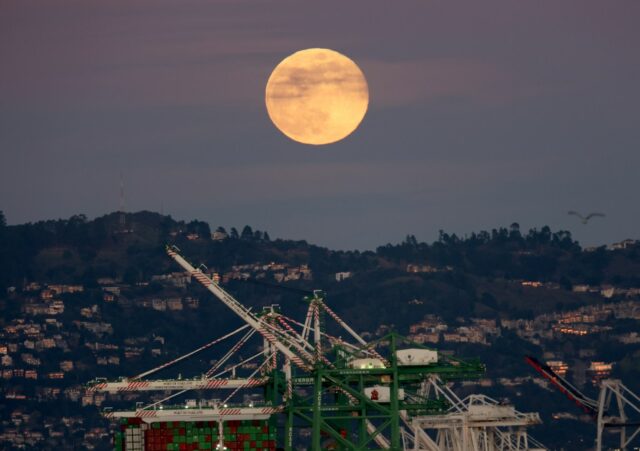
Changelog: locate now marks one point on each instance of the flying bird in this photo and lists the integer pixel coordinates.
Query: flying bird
(585, 219)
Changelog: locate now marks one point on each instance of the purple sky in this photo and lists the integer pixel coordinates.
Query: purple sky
(481, 114)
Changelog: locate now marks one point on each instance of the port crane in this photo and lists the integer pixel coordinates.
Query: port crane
(617, 408)
(344, 390)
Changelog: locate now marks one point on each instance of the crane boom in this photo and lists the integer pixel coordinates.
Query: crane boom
(587, 404)
(198, 413)
(176, 384)
(236, 307)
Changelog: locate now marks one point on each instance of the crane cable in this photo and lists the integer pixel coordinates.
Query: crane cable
(190, 354)
(228, 355)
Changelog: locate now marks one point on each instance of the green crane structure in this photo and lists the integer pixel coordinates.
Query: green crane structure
(351, 394)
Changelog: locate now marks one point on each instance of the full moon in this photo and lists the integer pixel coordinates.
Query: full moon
(317, 96)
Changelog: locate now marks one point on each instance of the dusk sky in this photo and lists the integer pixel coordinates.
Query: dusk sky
(481, 113)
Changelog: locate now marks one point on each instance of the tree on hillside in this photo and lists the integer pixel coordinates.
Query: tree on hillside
(514, 231)
(411, 240)
(200, 228)
(539, 237)
(247, 233)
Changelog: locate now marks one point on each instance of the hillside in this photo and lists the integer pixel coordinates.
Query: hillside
(448, 276)
(83, 298)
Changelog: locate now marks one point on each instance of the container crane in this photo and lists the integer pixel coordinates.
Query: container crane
(350, 395)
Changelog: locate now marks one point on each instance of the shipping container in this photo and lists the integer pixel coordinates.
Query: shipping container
(253, 435)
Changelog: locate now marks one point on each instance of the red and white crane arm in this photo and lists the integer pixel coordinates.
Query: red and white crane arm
(235, 306)
(177, 384)
(352, 332)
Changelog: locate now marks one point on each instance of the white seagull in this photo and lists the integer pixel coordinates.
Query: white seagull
(585, 219)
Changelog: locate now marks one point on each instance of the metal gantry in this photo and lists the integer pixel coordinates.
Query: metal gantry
(344, 392)
(619, 413)
(475, 423)
(617, 409)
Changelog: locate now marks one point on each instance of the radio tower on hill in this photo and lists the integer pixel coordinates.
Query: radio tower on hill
(122, 217)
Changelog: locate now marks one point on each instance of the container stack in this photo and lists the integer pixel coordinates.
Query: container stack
(181, 436)
(118, 441)
(251, 435)
(130, 436)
